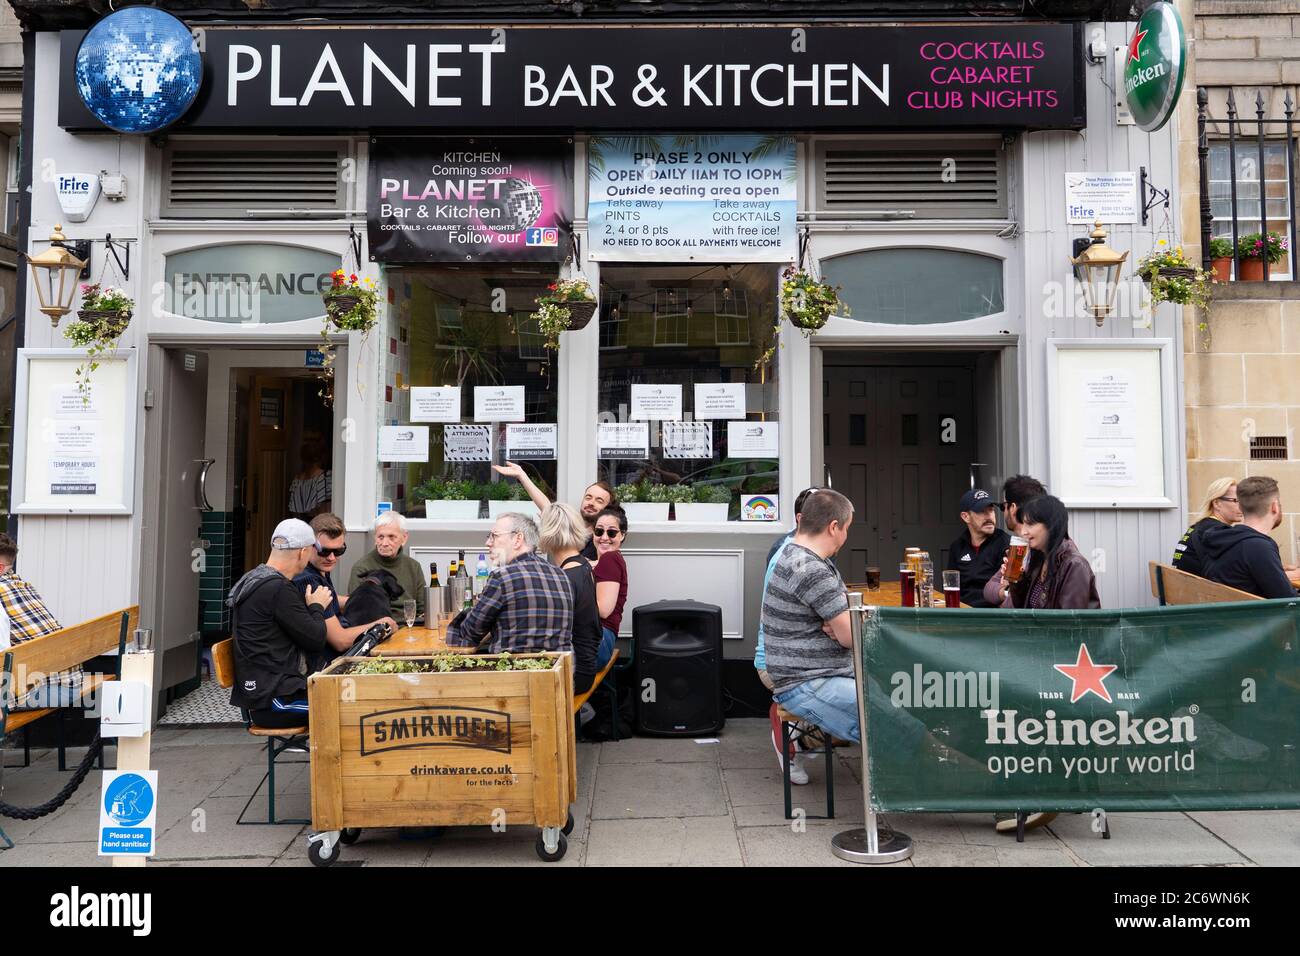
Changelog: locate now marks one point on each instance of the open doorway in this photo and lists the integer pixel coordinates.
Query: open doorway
(904, 435)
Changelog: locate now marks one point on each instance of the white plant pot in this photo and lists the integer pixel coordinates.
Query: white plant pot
(699, 512)
(451, 510)
(639, 511)
(498, 508)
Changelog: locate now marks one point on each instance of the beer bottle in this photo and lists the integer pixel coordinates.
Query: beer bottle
(433, 574)
(451, 571)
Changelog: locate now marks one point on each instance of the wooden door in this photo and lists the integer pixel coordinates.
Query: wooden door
(899, 442)
(270, 463)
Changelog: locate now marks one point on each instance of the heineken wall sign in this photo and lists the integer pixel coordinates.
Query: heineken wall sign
(1154, 66)
(1194, 708)
(402, 78)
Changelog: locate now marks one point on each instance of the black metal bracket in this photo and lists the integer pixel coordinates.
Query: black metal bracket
(354, 237)
(1151, 194)
(1080, 243)
(111, 248)
(804, 238)
(576, 241)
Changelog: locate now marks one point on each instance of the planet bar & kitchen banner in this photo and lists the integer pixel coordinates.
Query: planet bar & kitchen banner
(697, 198)
(1173, 708)
(403, 79)
(462, 200)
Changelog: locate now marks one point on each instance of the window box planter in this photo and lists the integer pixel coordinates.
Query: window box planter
(498, 508)
(642, 511)
(695, 512)
(451, 510)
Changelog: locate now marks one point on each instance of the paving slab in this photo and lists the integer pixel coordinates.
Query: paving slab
(657, 750)
(221, 837)
(480, 846)
(1038, 855)
(1265, 837)
(627, 791)
(952, 854)
(677, 841)
(1144, 842)
(780, 846)
(848, 810)
(54, 854)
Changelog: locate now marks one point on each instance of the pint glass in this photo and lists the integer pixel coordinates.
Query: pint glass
(1017, 558)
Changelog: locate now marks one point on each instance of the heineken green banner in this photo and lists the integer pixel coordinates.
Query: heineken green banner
(1178, 708)
(1154, 66)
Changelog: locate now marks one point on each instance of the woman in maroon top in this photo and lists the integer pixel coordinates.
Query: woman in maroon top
(611, 578)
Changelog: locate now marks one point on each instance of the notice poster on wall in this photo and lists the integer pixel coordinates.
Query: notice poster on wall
(440, 404)
(625, 440)
(688, 439)
(404, 443)
(656, 402)
(1110, 197)
(485, 200)
(532, 442)
(467, 443)
(720, 400)
(1110, 466)
(1108, 386)
(660, 198)
(752, 440)
(499, 403)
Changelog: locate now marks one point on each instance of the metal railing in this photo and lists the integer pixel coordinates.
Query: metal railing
(1239, 139)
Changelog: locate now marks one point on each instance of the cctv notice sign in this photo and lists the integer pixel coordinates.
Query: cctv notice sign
(1173, 708)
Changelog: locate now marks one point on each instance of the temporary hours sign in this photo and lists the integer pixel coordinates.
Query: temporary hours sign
(1154, 66)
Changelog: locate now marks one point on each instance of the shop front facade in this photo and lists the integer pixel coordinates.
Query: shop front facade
(928, 170)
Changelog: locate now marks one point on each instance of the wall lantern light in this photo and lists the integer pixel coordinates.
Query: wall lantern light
(55, 273)
(1098, 266)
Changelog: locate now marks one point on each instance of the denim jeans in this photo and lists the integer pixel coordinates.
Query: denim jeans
(829, 702)
(606, 649)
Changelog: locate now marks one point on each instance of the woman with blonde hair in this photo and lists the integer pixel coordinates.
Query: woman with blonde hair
(563, 536)
(1219, 508)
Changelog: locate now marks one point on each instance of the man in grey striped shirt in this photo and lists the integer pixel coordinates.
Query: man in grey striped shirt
(805, 621)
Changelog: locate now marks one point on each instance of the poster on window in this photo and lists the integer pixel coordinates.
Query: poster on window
(467, 443)
(404, 443)
(626, 440)
(439, 404)
(499, 403)
(752, 440)
(656, 403)
(688, 439)
(720, 400)
(532, 442)
(461, 200)
(666, 198)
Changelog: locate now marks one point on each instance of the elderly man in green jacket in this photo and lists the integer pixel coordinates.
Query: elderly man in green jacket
(390, 555)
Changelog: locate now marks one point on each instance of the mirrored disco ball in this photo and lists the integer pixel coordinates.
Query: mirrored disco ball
(521, 204)
(138, 70)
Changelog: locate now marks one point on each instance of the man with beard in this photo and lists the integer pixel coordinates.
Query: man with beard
(598, 496)
(978, 552)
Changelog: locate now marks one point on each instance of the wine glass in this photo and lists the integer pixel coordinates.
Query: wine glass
(408, 612)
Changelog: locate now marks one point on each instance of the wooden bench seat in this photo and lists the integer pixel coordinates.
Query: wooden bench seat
(582, 698)
(1172, 586)
(19, 719)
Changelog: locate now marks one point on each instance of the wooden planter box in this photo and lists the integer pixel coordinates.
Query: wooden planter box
(442, 749)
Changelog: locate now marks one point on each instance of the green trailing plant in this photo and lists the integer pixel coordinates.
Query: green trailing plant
(351, 305)
(1255, 245)
(448, 663)
(712, 495)
(1172, 277)
(807, 302)
(103, 317)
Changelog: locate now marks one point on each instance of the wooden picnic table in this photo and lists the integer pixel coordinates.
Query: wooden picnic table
(417, 642)
(890, 595)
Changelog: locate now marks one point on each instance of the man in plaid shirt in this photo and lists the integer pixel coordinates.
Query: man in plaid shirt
(527, 604)
(28, 615)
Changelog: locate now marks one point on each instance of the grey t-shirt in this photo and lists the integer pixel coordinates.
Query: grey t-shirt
(805, 592)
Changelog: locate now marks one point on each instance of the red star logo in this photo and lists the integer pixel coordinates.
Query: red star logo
(1133, 52)
(1087, 676)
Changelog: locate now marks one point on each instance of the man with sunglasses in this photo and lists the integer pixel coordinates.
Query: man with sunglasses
(331, 544)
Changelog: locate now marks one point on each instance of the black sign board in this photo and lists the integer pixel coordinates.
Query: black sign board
(973, 75)
(470, 200)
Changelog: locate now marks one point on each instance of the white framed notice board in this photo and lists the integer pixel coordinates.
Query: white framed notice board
(1112, 423)
(73, 456)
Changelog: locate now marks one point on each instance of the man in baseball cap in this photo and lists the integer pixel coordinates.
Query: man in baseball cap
(978, 552)
(278, 633)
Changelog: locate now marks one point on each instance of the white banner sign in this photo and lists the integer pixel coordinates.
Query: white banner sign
(752, 440)
(720, 400)
(629, 440)
(467, 443)
(440, 404)
(656, 402)
(499, 403)
(532, 442)
(688, 439)
(404, 443)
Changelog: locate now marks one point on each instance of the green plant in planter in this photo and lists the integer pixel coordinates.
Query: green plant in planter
(679, 494)
(444, 489)
(807, 302)
(658, 494)
(500, 490)
(556, 309)
(1220, 248)
(1271, 246)
(103, 317)
(632, 492)
(1172, 277)
(712, 495)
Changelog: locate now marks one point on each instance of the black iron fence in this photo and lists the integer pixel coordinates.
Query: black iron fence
(1237, 189)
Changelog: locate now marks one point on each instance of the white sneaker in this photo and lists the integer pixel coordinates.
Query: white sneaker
(585, 713)
(798, 775)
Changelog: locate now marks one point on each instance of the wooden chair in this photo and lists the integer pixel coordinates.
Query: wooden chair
(26, 665)
(608, 671)
(791, 731)
(1171, 586)
(278, 739)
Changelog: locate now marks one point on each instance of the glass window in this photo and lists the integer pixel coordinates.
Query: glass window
(688, 326)
(901, 287)
(1276, 195)
(468, 327)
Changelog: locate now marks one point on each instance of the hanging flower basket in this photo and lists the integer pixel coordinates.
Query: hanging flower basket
(112, 320)
(567, 306)
(580, 314)
(103, 317)
(338, 307)
(807, 302)
(351, 305)
(1171, 277)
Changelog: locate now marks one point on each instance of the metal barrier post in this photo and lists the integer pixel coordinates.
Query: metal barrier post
(872, 843)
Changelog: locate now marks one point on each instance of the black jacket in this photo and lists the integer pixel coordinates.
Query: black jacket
(586, 622)
(1242, 558)
(1188, 555)
(977, 565)
(276, 633)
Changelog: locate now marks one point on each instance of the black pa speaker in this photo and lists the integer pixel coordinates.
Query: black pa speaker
(679, 668)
